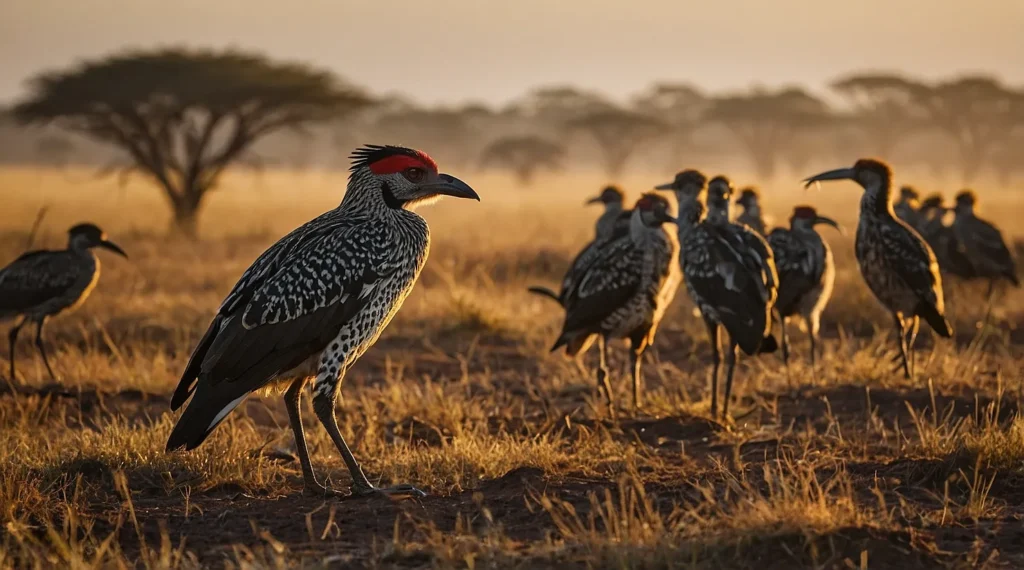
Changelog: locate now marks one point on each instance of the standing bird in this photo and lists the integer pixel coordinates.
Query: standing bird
(44, 283)
(720, 192)
(897, 264)
(315, 301)
(982, 243)
(907, 207)
(750, 201)
(613, 216)
(730, 274)
(807, 272)
(612, 223)
(942, 239)
(624, 292)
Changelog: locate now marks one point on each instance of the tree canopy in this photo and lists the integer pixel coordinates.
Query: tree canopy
(523, 155)
(183, 116)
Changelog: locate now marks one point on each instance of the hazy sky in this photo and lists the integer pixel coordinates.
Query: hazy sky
(489, 50)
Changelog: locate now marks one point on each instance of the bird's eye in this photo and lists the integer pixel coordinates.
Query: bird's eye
(414, 174)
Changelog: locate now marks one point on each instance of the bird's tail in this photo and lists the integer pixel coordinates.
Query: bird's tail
(544, 292)
(935, 319)
(198, 421)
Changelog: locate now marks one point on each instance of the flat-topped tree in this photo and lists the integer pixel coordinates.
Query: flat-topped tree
(183, 116)
(523, 156)
(886, 108)
(681, 107)
(618, 134)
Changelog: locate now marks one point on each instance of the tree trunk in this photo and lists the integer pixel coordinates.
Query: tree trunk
(186, 215)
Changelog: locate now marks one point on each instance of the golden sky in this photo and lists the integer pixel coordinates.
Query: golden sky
(492, 50)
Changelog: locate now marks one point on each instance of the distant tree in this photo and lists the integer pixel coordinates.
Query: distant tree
(558, 105)
(444, 133)
(885, 108)
(979, 113)
(618, 134)
(523, 156)
(1008, 160)
(681, 107)
(184, 116)
(766, 122)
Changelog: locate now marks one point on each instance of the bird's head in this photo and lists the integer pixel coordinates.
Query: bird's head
(400, 178)
(806, 217)
(872, 175)
(749, 197)
(909, 194)
(687, 184)
(720, 190)
(85, 236)
(933, 202)
(654, 209)
(965, 201)
(609, 196)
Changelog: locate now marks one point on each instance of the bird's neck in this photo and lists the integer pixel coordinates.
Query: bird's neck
(753, 209)
(692, 210)
(638, 230)
(877, 200)
(365, 194)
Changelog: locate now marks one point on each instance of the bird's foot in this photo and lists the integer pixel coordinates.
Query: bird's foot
(398, 492)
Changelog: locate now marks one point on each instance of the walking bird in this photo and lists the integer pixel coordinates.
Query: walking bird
(907, 206)
(750, 201)
(315, 301)
(807, 272)
(897, 264)
(624, 292)
(44, 283)
(730, 274)
(982, 243)
(613, 223)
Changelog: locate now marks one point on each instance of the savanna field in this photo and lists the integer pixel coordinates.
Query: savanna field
(848, 466)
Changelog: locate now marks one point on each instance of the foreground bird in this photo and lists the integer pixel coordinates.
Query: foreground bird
(750, 201)
(907, 206)
(315, 301)
(44, 283)
(611, 224)
(807, 272)
(730, 274)
(982, 243)
(897, 264)
(624, 292)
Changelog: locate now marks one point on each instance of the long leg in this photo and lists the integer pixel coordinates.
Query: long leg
(292, 402)
(603, 384)
(42, 348)
(730, 369)
(911, 335)
(902, 339)
(988, 302)
(813, 326)
(638, 343)
(12, 336)
(716, 360)
(785, 349)
(328, 383)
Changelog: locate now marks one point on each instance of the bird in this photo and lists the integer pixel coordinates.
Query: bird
(807, 272)
(625, 291)
(907, 206)
(942, 239)
(730, 274)
(982, 243)
(44, 283)
(314, 302)
(720, 192)
(897, 264)
(750, 201)
(612, 223)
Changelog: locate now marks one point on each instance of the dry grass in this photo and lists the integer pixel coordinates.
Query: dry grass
(848, 467)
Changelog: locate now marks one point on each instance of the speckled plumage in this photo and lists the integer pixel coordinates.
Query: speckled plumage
(897, 264)
(807, 271)
(624, 291)
(40, 284)
(314, 302)
(730, 274)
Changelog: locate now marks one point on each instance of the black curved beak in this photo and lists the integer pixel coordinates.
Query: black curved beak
(449, 185)
(666, 186)
(109, 245)
(837, 174)
(665, 217)
(830, 222)
(594, 200)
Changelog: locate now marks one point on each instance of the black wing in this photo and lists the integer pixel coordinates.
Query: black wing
(989, 245)
(798, 272)
(606, 284)
(34, 278)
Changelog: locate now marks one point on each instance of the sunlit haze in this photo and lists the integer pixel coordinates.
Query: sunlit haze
(461, 50)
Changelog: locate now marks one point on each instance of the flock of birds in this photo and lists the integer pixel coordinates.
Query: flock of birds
(316, 300)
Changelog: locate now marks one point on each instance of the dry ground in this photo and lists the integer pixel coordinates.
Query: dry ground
(852, 467)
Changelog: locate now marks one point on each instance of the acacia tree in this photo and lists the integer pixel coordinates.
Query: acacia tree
(979, 113)
(681, 107)
(766, 122)
(618, 133)
(183, 116)
(886, 108)
(523, 156)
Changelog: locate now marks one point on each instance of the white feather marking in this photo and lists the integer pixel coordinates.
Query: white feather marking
(227, 409)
